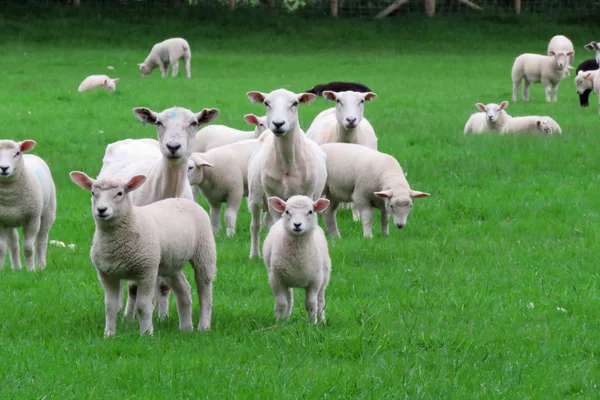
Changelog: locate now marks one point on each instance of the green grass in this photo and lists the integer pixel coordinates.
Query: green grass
(437, 310)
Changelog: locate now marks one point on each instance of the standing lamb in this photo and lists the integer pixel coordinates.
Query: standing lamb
(98, 81)
(369, 179)
(587, 80)
(534, 68)
(532, 124)
(141, 243)
(491, 119)
(219, 135)
(338, 87)
(166, 53)
(560, 43)
(27, 200)
(286, 163)
(587, 65)
(296, 256)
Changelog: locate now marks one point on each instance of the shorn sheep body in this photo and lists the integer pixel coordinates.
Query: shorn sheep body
(587, 65)
(560, 43)
(140, 244)
(338, 87)
(534, 68)
(588, 80)
(370, 179)
(296, 255)
(532, 124)
(98, 81)
(491, 118)
(165, 53)
(213, 136)
(27, 200)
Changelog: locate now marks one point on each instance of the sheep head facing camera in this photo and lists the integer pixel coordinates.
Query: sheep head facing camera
(398, 203)
(561, 58)
(299, 213)
(492, 111)
(349, 107)
(11, 157)
(281, 107)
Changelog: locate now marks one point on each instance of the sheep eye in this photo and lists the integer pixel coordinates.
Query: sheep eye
(287, 212)
(310, 212)
(93, 194)
(193, 124)
(267, 105)
(18, 154)
(362, 102)
(295, 104)
(338, 102)
(158, 123)
(119, 194)
(410, 206)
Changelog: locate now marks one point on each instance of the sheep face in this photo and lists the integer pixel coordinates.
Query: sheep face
(544, 126)
(176, 129)
(299, 213)
(593, 46)
(349, 107)
(282, 108)
(260, 122)
(110, 84)
(11, 157)
(492, 111)
(144, 69)
(561, 59)
(584, 81)
(196, 165)
(398, 203)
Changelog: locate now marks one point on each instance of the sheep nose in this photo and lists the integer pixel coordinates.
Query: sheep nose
(173, 148)
(351, 120)
(400, 226)
(4, 168)
(101, 210)
(297, 225)
(278, 125)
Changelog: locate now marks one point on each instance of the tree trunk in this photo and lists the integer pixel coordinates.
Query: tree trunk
(518, 6)
(334, 8)
(430, 7)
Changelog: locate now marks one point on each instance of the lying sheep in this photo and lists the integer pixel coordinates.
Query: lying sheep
(584, 96)
(98, 81)
(491, 119)
(532, 124)
(369, 179)
(141, 243)
(533, 68)
(338, 87)
(588, 80)
(165, 53)
(27, 200)
(560, 43)
(222, 176)
(219, 135)
(296, 256)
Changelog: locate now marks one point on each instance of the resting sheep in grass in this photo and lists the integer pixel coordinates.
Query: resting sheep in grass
(369, 179)
(27, 200)
(296, 256)
(584, 95)
(532, 124)
(534, 68)
(338, 87)
(219, 135)
(165, 53)
(491, 118)
(98, 81)
(141, 243)
(286, 163)
(560, 43)
(588, 80)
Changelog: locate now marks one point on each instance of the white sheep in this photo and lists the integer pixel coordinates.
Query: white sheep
(165, 53)
(560, 43)
(532, 124)
(534, 68)
(491, 119)
(98, 81)
(27, 200)
(285, 163)
(221, 174)
(140, 244)
(296, 256)
(586, 80)
(219, 135)
(595, 47)
(369, 179)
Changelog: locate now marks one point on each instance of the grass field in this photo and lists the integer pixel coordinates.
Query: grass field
(491, 290)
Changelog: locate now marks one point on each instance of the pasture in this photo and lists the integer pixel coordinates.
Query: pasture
(490, 291)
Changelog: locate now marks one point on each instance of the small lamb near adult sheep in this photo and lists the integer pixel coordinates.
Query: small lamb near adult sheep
(296, 256)
(534, 68)
(588, 80)
(165, 53)
(27, 200)
(338, 87)
(98, 81)
(584, 95)
(560, 43)
(491, 119)
(141, 243)
(213, 136)
(221, 174)
(532, 124)
(369, 179)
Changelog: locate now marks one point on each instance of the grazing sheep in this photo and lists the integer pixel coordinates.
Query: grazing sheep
(491, 119)
(221, 174)
(587, 65)
(296, 256)
(338, 87)
(98, 81)
(593, 46)
(167, 52)
(533, 68)
(560, 43)
(141, 243)
(587, 80)
(285, 163)
(532, 124)
(27, 200)
(219, 135)
(369, 179)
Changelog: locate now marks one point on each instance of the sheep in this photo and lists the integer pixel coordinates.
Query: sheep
(594, 46)
(491, 119)
(98, 81)
(587, 80)
(562, 43)
(338, 87)
(141, 243)
(533, 68)
(587, 65)
(164, 163)
(369, 179)
(532, 124)
(296, 256)
(27, 200)
(285, 163)
(219, 135)
(222, 176)
(167, 52)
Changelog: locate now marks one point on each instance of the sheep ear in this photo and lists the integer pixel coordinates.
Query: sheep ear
(385, 194)
(570, 67)
(538, 123)
(587, 75)
(145, 115)
(27, 145)
(140, 64)
(105, 82)
(418, 195)
(251, 119)
(569, 53)
(81, 180)
(199, 161)
(369, 96)
(321, 205)
(306, 98)
(115, 80)
(329, 95)
(503, 105)
(277, 203)
(135, 182)
(256, 97)
(480, 107)
(552, 53)
(207, 115)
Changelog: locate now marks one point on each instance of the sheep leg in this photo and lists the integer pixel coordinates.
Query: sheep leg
(188, 67)
(30, 231)
(555, 91)
(131, 302)
(183, 295)
(41, 241)
(230, 215)
(385, 223)
(267, 220)
(161, 294)
(321, 295)
(584, 98)
(366, 214)
(144, 306)
(355, 212)
(111, 287)
(282, 295)
(13, 248)
(174, 67)
(204, 289)
(254, 230)
(516, 90)
(311, 303)
(164, 69)
(526, 85)
(215, 218)
(547, 89)
(329, 216)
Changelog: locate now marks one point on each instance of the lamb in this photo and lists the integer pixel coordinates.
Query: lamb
(27, 200)
(532, 124)
(338, 87)
(167, 52)
(491, 119)
(594, 46)
(98, 81)
(222, 176)
(219, 135)
(587, 65)
(296, 256)
(369, 179)
(285, 163)
(141, 243)
(533, 68)
(561, 43)
(587, 80)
